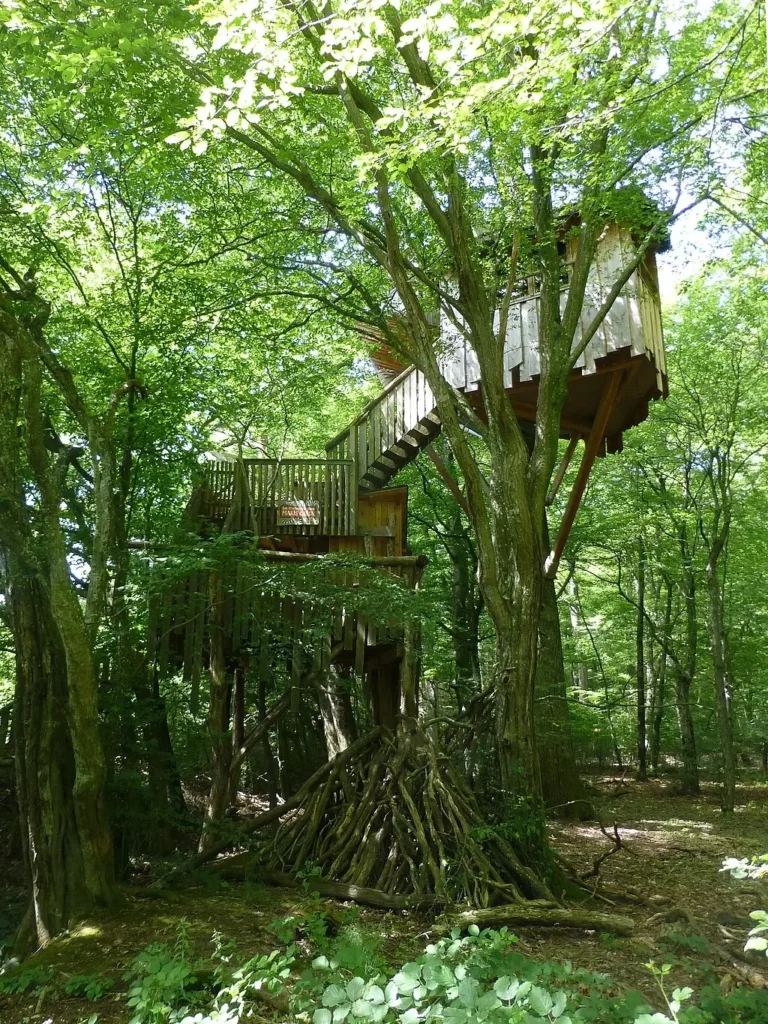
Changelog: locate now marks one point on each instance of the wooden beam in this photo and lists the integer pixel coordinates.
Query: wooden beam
(445, 476)
(383, 561)
(563, 467)
(528, 412)
(591, 448)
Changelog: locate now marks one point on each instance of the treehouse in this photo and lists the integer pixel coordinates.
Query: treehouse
(305, 510)
(622, 369)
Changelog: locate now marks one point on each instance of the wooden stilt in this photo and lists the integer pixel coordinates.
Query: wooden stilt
(592, 447)
(563, 467)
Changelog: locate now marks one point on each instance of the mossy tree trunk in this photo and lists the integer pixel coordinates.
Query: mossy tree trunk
(60, 761)
(45, 768)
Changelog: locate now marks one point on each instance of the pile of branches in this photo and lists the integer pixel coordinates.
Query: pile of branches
(393, 815)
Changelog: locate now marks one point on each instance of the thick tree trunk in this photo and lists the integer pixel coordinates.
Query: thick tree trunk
(55, 846)
(723, 687)
(55, 664)
(562, 788)
(515, 688)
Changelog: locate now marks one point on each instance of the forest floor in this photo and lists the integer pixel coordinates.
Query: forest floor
(672, 847)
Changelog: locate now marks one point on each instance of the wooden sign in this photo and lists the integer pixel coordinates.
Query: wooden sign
(297, 512)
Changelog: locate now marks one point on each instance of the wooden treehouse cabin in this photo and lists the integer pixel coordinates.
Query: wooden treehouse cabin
(303, 510)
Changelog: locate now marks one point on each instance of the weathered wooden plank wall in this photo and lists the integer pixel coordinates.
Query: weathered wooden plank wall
(634, 322)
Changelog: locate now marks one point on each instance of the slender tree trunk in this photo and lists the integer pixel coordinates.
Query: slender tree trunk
(689, 781)
(238, 727)
(219, 716)
(685, 671)
(333, 712)
(660, 687)
(723, 687)
(464, 616)
(266, 748)
(642, 748)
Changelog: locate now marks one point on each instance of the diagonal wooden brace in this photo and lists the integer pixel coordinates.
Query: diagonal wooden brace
(563, 467)
(591, 448)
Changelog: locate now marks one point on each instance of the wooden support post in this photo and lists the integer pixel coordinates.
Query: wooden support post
(591, 448)
(353, 478)
(563, 467)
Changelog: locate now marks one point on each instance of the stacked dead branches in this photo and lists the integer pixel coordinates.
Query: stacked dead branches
(398, 818)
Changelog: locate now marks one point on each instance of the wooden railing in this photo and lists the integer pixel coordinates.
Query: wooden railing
(262, 618)
(390, 430)
(326, 486)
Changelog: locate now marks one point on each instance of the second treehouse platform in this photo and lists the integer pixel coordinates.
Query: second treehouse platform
(303, 510)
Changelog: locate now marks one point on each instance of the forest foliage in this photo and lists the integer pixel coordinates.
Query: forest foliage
(200, 207)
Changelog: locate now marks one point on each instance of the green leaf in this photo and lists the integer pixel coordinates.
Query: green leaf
(468, 992)
(334, 995)
(561, 1001)
(355, 989)
(506, 987)
(540, 1001)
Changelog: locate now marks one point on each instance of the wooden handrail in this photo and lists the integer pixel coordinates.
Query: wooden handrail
(375, 561)
(278, 462)
(370, 405)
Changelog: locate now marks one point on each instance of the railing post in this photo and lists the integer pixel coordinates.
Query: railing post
(352, 486)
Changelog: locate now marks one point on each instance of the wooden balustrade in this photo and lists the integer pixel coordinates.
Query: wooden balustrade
(326, 486)
(390, 431)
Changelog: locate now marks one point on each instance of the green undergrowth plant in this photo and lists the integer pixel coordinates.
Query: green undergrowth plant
(478, 978)
(753, 868)
(163, 981)
(89, 986)
(26, 979)
(482, 979)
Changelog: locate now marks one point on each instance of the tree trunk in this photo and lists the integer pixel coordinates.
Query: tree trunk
(334, 712)
(689, 780)
(723, 687)
(465, 614)
(642, 749)
(45, 771)
(562, 788)
(54, 660)
(659, 690)
(219, 714)
(266, 748)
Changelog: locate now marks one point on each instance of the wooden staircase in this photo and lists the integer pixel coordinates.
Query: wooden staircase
(390, 431)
